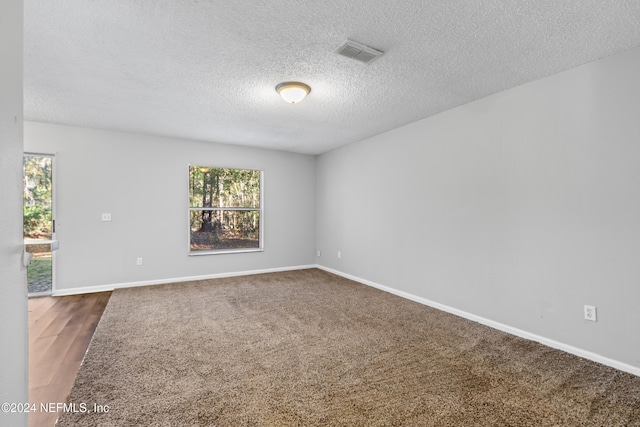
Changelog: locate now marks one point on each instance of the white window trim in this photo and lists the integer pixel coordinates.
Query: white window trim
(226, 251)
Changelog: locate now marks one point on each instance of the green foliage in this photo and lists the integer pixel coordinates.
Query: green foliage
(37, 195)
(37, 221)
(224, 188)
(220, 187)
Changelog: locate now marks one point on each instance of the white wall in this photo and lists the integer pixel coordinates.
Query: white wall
(142, 181)
(519, 208)
(13, 288)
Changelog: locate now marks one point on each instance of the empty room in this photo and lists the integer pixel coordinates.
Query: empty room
(286, 213)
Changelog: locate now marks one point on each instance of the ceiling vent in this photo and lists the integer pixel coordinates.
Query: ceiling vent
(358, 51)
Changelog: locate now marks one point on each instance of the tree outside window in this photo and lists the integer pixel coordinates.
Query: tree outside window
(225, 210)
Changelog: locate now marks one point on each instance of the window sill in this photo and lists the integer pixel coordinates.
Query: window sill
(225, 251)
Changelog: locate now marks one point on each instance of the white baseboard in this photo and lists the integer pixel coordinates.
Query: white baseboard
(634, 370)
(111, 287)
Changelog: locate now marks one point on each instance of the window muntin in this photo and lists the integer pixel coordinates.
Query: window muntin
(225, 210)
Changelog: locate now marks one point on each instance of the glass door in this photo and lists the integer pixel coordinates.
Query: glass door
(39, 223)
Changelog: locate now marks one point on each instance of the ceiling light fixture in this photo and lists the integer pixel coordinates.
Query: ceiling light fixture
(293, 92)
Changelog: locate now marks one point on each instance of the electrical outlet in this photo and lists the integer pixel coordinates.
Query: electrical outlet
(106, 217)
(138, 261)
(590, 313)
(319, 254)
(339, 254)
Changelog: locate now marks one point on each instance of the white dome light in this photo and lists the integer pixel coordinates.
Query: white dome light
(293, 92)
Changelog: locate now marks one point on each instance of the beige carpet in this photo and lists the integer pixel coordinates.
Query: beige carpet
(307, 348)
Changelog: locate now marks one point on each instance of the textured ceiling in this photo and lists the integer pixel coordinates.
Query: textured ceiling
(206, 69)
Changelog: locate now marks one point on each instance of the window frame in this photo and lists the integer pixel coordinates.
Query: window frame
(190, 209)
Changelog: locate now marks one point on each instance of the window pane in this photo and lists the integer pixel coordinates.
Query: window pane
(37, 180)
(219, 187)
(223, 229)
(38, 220)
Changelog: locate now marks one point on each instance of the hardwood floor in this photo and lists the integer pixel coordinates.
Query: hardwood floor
(60, 329)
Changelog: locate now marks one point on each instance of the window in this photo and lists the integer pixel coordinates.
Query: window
(225, 210)
(38, 221)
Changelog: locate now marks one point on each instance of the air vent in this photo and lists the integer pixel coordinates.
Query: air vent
(358, 51)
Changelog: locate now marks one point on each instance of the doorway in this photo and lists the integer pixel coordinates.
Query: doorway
(39, 221)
